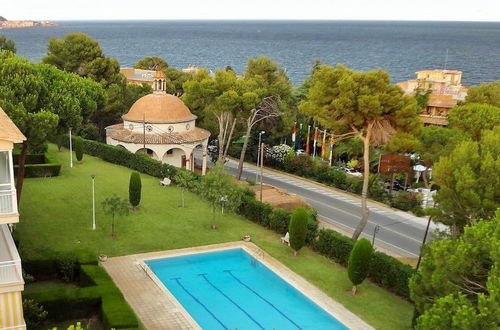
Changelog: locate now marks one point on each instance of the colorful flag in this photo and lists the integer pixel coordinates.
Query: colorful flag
(315, 142)
(299, 138)
(294, 132)
(323, 145)
(307, 138)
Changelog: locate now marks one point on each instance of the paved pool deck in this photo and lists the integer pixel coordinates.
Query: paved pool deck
(158, 309)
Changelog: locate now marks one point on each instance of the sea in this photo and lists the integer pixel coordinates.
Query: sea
(401, 48)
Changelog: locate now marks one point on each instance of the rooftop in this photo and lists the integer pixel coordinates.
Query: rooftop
(8, 130)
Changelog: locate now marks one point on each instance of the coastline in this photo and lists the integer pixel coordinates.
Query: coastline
(25, 24)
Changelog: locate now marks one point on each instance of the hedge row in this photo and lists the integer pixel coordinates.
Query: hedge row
(30, 158)
(39, 166)
(385, 270)
(274, 218)
(80, 302)
(121, 156)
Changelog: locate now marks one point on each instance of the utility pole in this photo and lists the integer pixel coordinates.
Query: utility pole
(261, 168)
(93, 201)
(423, 242)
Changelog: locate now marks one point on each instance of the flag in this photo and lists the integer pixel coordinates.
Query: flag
(331, 148)
(307, 138)
(315, 142)
(294, 132)
(299, 138)
(323, 145)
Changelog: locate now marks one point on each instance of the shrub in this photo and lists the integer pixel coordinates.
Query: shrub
(68, 267)
(405, 201)
(255, 210)
(298, 229)
(391, 274)
(279, 220)
(39, 166)
(78, 148)
(34, 314)
(300, 165)
(134, 189)
(358, 265)
(334, 245)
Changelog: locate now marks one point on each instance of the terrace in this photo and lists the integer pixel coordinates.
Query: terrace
(11, 278)
(8, 205)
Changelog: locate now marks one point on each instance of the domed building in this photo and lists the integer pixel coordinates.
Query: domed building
(161, 125)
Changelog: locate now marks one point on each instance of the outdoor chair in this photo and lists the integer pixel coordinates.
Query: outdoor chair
(165, 182)
(286, 239)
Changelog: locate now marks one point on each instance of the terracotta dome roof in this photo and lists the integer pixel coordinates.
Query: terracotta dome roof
(159, 107)
(160, 74)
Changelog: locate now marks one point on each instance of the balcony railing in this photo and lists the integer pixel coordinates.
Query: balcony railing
(8, 203)
(10, 272)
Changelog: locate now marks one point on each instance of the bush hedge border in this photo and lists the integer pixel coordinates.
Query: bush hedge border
(100, 293)
(39, 166)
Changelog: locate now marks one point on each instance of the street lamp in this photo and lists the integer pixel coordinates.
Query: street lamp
(375, 231)
(258, 158)
(223, 199)
(70, 149)
(93, 201)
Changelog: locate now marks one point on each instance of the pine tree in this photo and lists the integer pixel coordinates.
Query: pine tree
(134, 189)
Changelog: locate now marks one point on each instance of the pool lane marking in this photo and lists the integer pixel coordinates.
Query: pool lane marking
(177, 279)
(258, 295)
(231, 300)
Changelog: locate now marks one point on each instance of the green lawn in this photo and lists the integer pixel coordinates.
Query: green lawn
(56, 218)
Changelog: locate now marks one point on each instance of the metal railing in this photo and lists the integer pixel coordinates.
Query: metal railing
(8, 203)
(10, 272)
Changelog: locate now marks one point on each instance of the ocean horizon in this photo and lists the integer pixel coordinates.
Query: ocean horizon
(399, 47)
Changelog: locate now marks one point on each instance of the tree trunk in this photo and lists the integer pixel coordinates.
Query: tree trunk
(113, 227)
(243, 152)
(214, 225)
(353, 290)
(182, 194)
(21, 171)
(364, 194)
(294, 253)
(221, 139)
(228, 142)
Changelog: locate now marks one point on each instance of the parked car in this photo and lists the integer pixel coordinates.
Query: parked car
(299, 152)
(353, 172)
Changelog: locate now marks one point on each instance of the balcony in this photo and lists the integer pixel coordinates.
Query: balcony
(11, 278)
(434, 120)
(8, 205)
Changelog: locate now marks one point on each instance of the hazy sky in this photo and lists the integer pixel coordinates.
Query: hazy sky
(454, 10)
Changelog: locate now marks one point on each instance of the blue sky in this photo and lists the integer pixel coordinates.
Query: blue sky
(449, 10)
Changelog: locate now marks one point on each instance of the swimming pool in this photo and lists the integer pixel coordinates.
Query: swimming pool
(230, 289)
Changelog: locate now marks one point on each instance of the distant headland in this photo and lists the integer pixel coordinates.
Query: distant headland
(6, 24)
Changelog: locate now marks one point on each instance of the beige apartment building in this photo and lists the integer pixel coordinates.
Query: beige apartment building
(11, 278)
(445, 91)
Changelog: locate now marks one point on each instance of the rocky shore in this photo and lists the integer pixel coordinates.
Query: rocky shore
(6, 24)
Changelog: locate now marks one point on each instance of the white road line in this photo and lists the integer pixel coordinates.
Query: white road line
(357, 215)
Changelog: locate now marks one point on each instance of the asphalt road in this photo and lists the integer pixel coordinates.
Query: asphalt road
(399, 232)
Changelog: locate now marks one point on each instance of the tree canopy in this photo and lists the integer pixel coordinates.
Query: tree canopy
(7, 44)
(486, 93)
(469, 182)
(41, 100)
(472, 118)
(151, 63)
(361, 104)
(458, 283)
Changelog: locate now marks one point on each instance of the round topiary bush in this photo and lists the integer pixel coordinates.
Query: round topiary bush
(134, 189)
(79, 148)
(298, 229)
(358, 265)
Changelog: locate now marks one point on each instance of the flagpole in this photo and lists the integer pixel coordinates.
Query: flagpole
(315, 141)
(307, 139)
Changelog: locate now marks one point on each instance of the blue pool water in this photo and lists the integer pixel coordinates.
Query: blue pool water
(232, 290)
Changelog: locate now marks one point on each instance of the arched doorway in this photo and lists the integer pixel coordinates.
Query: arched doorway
(147, 152)
(175, 157)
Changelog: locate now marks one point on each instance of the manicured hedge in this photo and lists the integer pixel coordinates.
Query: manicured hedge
(385, 270)
(30, 158)
(39, 166)
(121, 156)
(80, 302)
(274, 218)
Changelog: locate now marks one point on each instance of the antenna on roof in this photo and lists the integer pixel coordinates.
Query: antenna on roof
(446, 59)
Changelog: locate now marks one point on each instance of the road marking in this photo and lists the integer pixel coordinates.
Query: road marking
(374, 223)
(370, 236)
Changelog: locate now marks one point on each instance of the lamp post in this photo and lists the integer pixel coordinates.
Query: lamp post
(223, 199)
(93, 201)
(70, 149)
(375, 231)
(258, 158)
